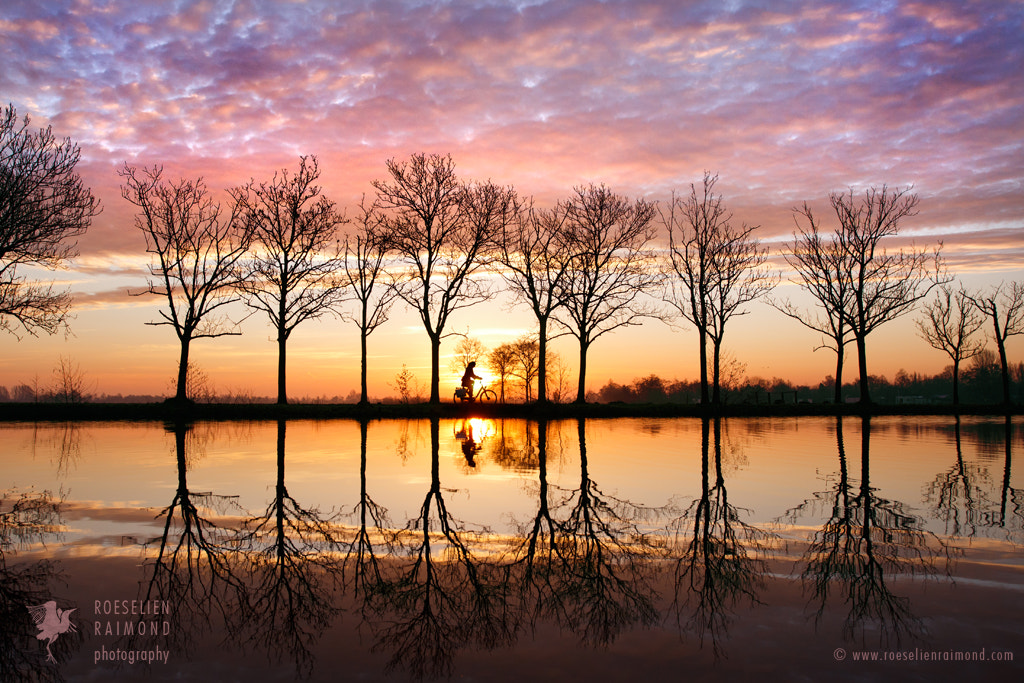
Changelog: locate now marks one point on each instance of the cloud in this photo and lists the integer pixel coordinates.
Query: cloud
(785, 102)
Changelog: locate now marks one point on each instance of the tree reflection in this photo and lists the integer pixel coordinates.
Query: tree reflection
(866, 541)
(536, 560)
(195, 564)
(363, 568)
(605, 585)
(28, 518)
(292, 573)
(956, 495)
(1011, 500)
(721, 561)
(590, 571)
(442, 598)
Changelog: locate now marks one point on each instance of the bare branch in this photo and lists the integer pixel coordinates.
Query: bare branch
(43, 206)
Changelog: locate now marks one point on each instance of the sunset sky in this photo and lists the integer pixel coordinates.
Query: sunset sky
(785, 101)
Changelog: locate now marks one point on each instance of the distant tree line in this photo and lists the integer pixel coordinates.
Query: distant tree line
(981, 383)
(585, 267)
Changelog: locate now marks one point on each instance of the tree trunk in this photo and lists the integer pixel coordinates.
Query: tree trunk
(862, 363)
(363, 396)
(181, 393)
(435, 368)
(956, 384)
(716, 394)
(1005, 366)
(542, 361)
(703, 343)
(581, 391)
(840, 354)
(282, 354)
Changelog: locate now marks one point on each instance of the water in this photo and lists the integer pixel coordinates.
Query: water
(501, 549)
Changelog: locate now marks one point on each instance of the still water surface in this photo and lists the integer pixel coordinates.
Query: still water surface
(502, 549)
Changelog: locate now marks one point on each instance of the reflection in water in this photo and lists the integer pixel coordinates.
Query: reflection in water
(603, 569)
(28, 518)
(582, 561)
(958, 495)
(719, 557)
(1011, 500)
(194, 563)
(866, 541)
(442, 597)
(292, 574)
(588, 551)
(362, 566)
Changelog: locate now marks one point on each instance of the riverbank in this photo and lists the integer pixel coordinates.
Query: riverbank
(170, 411)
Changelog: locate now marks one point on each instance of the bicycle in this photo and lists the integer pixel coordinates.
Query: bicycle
(482, 395)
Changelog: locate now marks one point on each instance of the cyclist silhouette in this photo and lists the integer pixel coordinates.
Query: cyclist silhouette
(468, 377)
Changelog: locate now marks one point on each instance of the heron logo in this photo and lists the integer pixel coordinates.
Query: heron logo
(51, 621)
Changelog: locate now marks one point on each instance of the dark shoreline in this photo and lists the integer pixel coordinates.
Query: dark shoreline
(169, 411)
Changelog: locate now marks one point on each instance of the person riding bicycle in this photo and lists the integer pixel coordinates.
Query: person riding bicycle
(468, 377)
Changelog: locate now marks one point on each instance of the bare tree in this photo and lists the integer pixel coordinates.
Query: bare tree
(374, 288)
(819, 262)
(527, 355)
(535, 264)
(43, 205)
(1005, 308)
(467, 350)
(949, 323)
(718, 268)
(446, 231)
(69, 382)
(502, 360)
(292, 273)
(197, 251)
(884, 285)
(611, 267)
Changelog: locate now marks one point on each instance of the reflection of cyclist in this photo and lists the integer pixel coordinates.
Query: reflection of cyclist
(468, 377)
(469, 445)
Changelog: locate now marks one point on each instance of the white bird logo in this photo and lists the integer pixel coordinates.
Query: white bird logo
(51, 622)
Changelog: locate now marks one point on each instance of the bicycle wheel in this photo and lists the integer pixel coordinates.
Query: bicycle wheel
(487, 396)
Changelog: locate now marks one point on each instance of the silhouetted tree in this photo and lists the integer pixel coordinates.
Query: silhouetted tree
(502, 360)
(291, 273)
(197, 252)
(467, 350)
(718, 269)
(819, 261)
(535, 261)
(69, 382)
(1004, 307)
(43, 206)
(373, 286)
(611, 267)
(446, 232)
(884, 285)
(951, 320)
(526, 368)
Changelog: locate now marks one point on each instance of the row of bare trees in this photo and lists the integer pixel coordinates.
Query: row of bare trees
(585, 267)
(858, 285)
(425, 240)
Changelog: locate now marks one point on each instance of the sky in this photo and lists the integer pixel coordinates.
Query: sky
(785, 101)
